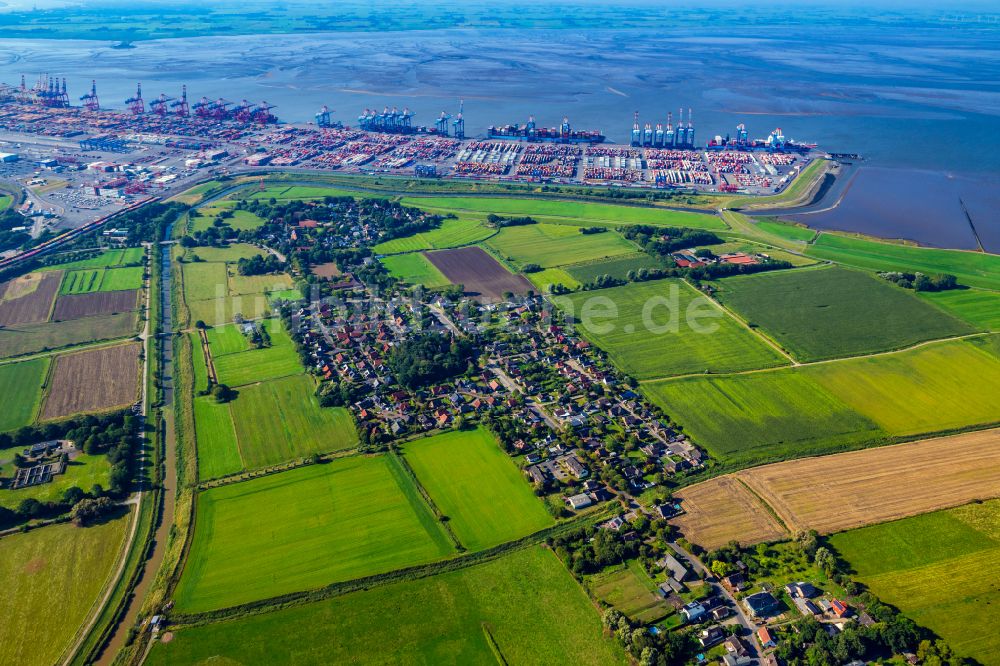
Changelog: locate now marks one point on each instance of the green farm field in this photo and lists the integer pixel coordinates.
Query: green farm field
(648, 352)
(281, 420)
(230, 254)
(979, 307)
(242, 220)
(837, 405)
(547, 277)
(939, 569)
(131, 256)
(218, 450)
(221, 311)
(527, 600)
(551, 245)
(247, 285)
(475, 484)
(973, 269)
(89, 280)
(198, 361)
(936, 387)
(56, 567)
(630, 590)
(780, 414)
(205, 280)
(414, 268)
(31, 338)
(235, 367)
(303, 529)
(21, 386)
(464, 230)
(823, 313)
(583, 213)
(617, 268)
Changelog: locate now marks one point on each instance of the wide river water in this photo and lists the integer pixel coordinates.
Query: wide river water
(923, 99)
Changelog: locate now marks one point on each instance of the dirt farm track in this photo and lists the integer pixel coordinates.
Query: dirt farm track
(93, 381)
(843, 491)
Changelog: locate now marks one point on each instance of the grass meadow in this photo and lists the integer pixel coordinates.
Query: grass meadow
(939, 569)
(475, 484)
(463, 230)
(547, 277)
(618, 267)
(31, 338)
(281, 420)
(551, 245)
(979, 307)
(933, 388)
(89, 280)
(51, 577)
(218, 450)
(792, 232)
(130, 256)
(823, 313)
(532, 608)
(303, 529)
(414, 268)
(973, 269)
(582, 213)
(631, 591)
(237, 367)
(649, 354)
(780, 414)
(21, 386)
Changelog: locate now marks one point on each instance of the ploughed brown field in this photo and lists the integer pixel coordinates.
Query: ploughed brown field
(94, 380)
(327, 270)
(715, 509)
(28, 299)
(843, 491)
(75, 306)
(480, 273)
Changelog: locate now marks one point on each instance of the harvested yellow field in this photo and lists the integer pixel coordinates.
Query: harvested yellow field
(848, 490)
(843, 491)
(720, 510)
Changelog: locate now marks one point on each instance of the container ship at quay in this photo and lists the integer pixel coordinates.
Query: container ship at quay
(531, 132)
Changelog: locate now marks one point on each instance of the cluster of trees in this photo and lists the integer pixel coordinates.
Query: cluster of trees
(499, 222)
(428, 358)
(89, 510)
(661, 241)
(589, 550)
(260, 265)
(110, 435)
(921, 282)
(586, 231)
(10, 239)
(668, 648)
(149, 223)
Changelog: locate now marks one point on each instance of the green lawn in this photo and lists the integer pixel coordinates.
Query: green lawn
(57, 567)
(682, 331)
(303, 529)
(551, 245)
(617, 268)
(253, 365)
(973, 269)
(584, 213)
(228, 339)
(979, 307)
(21, 386)
(414, 268)
(762, 417)
(475, 484)
(822, 313)
(281, 420)
(627, 588)
(933, 388)
(456, 232)
(939, 569)
(533, 609)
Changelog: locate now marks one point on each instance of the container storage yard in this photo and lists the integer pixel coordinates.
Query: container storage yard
(81, 161)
